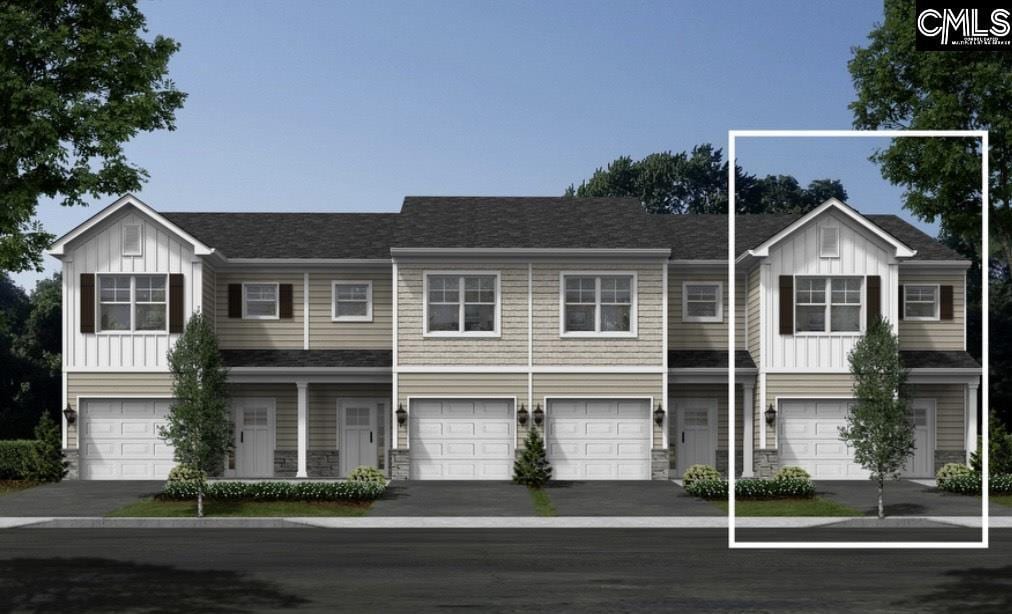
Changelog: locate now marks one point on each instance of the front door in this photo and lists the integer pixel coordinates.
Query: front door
(697, 432)
(356, 419)
(921, 464)
(254, 438)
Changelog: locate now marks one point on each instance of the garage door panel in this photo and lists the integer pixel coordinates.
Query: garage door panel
(810, 438)
(121, 439)
(461, 439)
(599, 439)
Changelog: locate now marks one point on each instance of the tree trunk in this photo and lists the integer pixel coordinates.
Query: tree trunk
(200, 503)
(881, 508)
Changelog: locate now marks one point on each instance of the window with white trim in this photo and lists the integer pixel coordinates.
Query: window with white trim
(132, 303)
(827, 305)
(920, 302)
(829, 242)
(352, 301)
(462, 304)
(260, 301)
(598, 304)
(702, 301)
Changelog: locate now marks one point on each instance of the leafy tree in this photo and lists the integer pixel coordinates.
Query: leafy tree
(696, 182)
(532, 469)
(45, 462)
(198, 424)
(1000, 455)
(77, 80)
(879, 428)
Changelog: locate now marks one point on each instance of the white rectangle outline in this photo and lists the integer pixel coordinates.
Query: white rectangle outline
(731, 255)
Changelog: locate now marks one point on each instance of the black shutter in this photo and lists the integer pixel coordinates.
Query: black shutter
(945, 310)
(285, 298)
(176, 294)
(874, 310)
(903, 302)
(235, 300)
(786, 305)
(87, 295)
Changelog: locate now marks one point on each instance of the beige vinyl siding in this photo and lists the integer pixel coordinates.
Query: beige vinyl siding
(949, 414)
(475, 385)
(324, 333)
(208, 295)
(703, 391)
(237, 333)
(936, 335)
(112, 385)
(510, 348)
(752, 305)
(286, 409)
(614, 385)
(696, 335)
(644, 349)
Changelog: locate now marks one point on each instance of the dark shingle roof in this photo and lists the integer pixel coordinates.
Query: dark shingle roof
(292, 235)
(526, 222)
(708, 359)
(934, 359)
(307, 358)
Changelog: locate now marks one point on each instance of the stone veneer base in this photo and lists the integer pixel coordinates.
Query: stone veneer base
(400, 464)
(73, 458)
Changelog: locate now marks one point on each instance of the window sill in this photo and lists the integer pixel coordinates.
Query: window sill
(470, 335)
(597, 335)
(913, 319)
(703, 319)
(830, 334)
(135, 333)
(261, 318)
(352, 319)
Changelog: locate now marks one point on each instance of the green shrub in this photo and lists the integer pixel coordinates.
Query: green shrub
(707, 488)
(1000, 443)
(367, 474)
(699, 472)
(752, 488)
(532, 469)
(970, 483)
(14, 454)
(45, 459)
(1001, 484)
(351, 490)
(950, 471)
(791, 473)
(186, 473)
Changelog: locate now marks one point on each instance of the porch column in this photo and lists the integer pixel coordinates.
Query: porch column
(746, 430)
(303, 429)
(971, 419)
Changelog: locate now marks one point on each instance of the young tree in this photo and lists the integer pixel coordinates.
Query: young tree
(78, 79)
(879, 429)
(532, 468)
(198, 424)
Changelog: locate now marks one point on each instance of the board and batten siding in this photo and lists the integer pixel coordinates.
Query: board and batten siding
(325, 334)
(552, 349)
(861, 254)
(210, 299)
(100, 250)
(239, 334)
(112, 385)
(466, 385)
(754, 322)
(938, 334)
(509, 348)
(684, 335)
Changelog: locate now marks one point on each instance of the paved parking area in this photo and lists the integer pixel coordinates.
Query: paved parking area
(902, 498)
(77, 497)
(638, 498)
(454, 498)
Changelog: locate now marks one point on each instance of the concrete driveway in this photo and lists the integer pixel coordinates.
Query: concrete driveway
(76, 498)
(902, 498)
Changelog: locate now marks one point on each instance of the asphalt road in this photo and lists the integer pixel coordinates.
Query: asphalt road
(208, 570)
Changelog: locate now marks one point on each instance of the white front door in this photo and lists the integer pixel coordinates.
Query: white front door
(357, 432)
(254, 438)
(697, 432)
(461, 439)
(598, 439)
(922, 463)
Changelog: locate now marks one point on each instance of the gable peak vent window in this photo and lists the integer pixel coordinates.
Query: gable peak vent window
(829, 242)
(133, 235)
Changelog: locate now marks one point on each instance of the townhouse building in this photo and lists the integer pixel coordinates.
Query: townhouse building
(426, 342)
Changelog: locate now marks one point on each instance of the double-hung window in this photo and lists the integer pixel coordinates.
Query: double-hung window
(352, 301)
(260, 301)
(598, 305)
(702, 301)
(462, 304)
(828, 304)
(920, 302)
(132, 303)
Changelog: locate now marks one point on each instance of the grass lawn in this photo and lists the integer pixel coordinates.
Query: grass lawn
(789, 507)
(11, 486)
(154, 508)
(542, 502)
(1002, 499)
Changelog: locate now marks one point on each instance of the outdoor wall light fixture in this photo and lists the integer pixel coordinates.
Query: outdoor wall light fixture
(659, 415)
(539, 415)
(771, 415)
(70, 414)
(523, 415)
(402, 416)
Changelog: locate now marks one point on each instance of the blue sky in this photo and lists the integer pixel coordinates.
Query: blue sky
(335, 106)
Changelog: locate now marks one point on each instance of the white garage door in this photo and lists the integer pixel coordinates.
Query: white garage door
(599, 439)
(119, 439)
(810, 438)
(461, 439)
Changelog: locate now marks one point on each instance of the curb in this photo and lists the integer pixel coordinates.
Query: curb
(505, 522)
